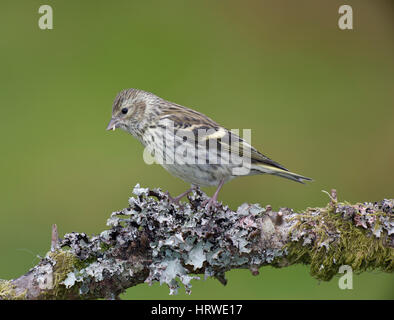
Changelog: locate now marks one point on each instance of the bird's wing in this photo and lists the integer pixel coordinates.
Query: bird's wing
(235, 144)
(186, 120)
(184, 117)
(260, 163)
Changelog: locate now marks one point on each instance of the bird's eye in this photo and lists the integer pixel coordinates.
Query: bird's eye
(124, 110)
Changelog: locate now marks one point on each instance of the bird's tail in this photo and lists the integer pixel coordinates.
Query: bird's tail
(263, 168)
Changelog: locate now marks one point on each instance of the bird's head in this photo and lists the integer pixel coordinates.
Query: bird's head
(130, 109)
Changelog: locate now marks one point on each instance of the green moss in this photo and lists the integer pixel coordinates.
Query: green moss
(7, 291)
(355, 246)
(66, 262)
(104, 247)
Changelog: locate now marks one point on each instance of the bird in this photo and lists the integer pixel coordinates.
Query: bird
(189, 144)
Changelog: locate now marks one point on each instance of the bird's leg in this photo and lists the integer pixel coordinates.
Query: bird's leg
(214, 200)
(178, 198)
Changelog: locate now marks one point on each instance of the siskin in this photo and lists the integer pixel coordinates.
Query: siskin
(188, 144)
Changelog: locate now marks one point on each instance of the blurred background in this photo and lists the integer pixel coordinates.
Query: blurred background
(319, 100)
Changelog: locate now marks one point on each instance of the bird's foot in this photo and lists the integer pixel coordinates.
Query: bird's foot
(177, 198)
(213, 202)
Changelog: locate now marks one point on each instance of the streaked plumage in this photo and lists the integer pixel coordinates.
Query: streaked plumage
(218, 152)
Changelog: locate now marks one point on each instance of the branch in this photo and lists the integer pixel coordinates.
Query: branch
(155, 240)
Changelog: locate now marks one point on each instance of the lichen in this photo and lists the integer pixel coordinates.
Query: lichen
(186, 239)
(156, 240)
(179, 240)
(329, 237)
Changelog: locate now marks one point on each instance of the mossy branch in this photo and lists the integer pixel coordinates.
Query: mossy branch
(155, 240)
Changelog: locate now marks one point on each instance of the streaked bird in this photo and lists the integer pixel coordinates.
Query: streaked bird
(190, 145)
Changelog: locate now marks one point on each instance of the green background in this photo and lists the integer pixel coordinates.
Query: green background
(318, 100)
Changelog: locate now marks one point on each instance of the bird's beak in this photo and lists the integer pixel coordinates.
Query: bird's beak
(112, 125)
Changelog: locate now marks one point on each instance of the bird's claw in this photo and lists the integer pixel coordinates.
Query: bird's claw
(177, 199)
(210, 204)
(172, 200)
